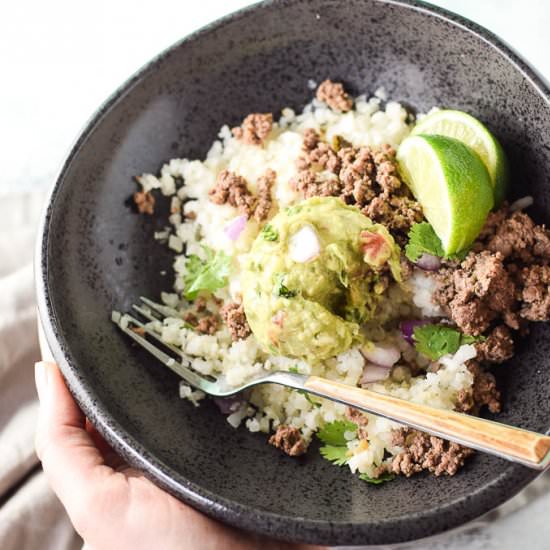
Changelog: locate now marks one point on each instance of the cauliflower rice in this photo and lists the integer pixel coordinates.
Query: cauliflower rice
(197, 221)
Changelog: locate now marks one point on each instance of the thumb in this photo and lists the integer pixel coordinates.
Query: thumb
(73, 465)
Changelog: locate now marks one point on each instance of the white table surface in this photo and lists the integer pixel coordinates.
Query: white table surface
(61, 58)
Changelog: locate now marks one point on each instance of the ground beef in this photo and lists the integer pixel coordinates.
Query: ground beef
(334, 95)
(503, 283)
(208, 324)
(317, 154)
(426, 452)
(359, 418)
(477, 293)
(289, 440)
(254, 128)
(497, 347)
(145, 202)
(265, 201)
(407, 268)
(518, 238)
(190, 317)
(465, 401)
(232, 189)
(311, 184)
(484, 388)
(200, 304)
(233, 315)
(397, 213)
(361, 176)
(535, 294)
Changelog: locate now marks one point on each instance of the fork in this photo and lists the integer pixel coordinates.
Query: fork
(515, 444)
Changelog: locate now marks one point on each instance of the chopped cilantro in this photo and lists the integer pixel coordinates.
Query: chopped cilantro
(269, 233)
(309, 399)
(423, 240)
(210, 274)
(281, 289)
(333, 432)
(377, 480)
(335, 454)
(291, 210)
(294, 369)
(434, 341)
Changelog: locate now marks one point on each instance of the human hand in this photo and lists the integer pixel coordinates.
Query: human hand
(110, 504)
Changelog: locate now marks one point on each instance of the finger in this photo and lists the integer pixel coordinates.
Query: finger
(73, 465)
(110, 457)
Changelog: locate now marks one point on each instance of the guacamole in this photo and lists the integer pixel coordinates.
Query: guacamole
(313, 276)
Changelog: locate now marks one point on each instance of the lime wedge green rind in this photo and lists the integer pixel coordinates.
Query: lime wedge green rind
(452, 185)
(471, 132)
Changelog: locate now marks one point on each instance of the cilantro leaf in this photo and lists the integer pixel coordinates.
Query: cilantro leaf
(336, 455)
(282, 290)
(309, 399)
(333, 433)
(377, 480)
(210, 274)
(423, 240)
(269, 233)
(434, 341)
(294, 369)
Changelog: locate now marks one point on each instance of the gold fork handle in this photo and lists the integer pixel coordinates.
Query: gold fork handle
(528, 448)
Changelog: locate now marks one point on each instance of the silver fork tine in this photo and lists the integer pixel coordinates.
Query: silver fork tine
(156, 308)
(187, 374)
(146, 313)
(156, 335)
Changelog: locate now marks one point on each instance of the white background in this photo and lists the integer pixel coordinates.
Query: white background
(60, 59)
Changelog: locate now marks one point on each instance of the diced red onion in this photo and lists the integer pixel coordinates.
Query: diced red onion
(304, 245)
(373, 373)
(407, 328)
(229, 405)
(520, 204)
(427, 262)
(382, 355)
(235, 227)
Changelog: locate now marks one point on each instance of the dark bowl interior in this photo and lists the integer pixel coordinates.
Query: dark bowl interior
(96, 254)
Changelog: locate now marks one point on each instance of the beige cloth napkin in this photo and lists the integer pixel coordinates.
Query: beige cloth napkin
(31, 517)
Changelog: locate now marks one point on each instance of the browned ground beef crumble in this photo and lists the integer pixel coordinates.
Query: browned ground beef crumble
(289, 440)
(426, 452)
(334, 95)
(232, 189)
(361, 176)
(254, 129)
(501, 285)
(145, 202)
(359, 418)
(201, 319)
(234, 317)
(265, 201)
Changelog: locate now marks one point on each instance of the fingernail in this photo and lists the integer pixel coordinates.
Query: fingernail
(41, 378)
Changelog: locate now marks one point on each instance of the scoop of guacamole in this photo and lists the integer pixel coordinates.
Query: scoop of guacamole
(313, 276)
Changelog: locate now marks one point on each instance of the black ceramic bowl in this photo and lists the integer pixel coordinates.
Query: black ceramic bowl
(95, 254)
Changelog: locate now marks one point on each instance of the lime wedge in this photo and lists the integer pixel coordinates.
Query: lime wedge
(452, 185)
(471, 132)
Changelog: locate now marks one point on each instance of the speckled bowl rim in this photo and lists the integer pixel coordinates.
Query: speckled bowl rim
(419, 525)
